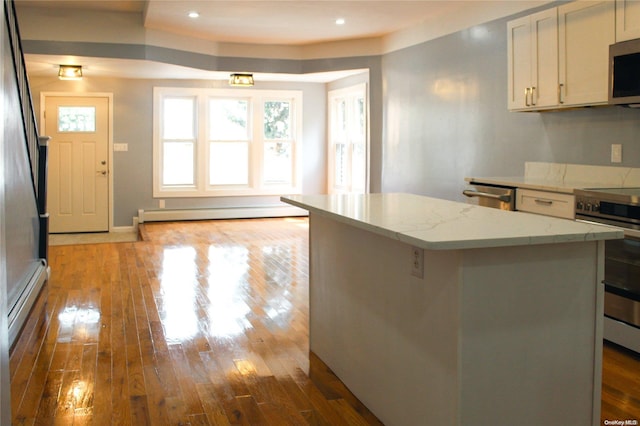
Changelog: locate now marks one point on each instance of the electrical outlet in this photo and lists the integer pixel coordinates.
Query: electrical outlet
(417, 262)
(161, 204)
(616, 153)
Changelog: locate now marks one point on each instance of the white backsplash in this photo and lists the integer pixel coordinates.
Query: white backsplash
(596, 176)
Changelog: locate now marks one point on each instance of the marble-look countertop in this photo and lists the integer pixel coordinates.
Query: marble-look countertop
(436, 224)
(565, 178)
(565, 187)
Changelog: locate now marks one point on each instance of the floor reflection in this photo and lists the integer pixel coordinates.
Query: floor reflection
(202, 322)
(278, 276)
(227, 289)
(238, 278)
(79, 323)
(178, 281)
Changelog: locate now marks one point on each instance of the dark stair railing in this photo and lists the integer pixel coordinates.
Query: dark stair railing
(37, 147)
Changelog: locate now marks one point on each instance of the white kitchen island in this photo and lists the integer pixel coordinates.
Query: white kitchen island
(503, 327)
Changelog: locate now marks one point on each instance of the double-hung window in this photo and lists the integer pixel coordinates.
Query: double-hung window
(348, 140)
(225, 142)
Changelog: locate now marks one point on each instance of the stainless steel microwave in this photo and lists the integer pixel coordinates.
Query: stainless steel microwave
(624, 73)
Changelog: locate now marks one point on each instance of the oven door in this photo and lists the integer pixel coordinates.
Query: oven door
(622, 280)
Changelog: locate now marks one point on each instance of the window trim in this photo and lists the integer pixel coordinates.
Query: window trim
(348, 94)
(202, 187)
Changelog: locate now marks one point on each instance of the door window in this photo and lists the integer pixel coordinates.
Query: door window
(76, 119)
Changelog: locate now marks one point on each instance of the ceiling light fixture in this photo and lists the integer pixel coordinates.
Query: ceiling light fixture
(70, 72)
(241, 79)
(193, 14)
(340, 21)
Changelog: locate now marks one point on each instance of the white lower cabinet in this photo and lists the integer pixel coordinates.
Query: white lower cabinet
(546, 203)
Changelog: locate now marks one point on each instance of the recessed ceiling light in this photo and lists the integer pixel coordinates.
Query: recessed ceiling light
(340, 21)
(193, 14)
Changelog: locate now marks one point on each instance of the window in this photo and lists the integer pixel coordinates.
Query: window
(225, 142)
(76, 119)
(348, 153)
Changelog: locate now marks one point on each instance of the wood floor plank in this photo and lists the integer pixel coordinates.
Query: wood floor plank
(198, 420)
(49, 401)
(251, 413)
(103, 385)
(201, 323)
(67, 399)
(188, 390)
(140, 410)
(212, 408)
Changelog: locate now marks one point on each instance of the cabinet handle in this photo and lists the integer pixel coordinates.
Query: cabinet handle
(560, 86)
(526, 96)
(545, 202)
(533, 96)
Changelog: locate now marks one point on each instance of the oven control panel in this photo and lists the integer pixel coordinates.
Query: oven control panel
(587, 205)
(606, 211)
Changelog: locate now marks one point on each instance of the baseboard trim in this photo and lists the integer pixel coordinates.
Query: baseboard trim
(219, 213)
(132, 228)
(20, 311)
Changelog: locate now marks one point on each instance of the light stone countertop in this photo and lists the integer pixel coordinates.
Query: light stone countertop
(436, 224)
(564, 178)
(565, 187)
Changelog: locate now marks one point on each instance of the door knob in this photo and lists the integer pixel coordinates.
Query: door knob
(102, 172)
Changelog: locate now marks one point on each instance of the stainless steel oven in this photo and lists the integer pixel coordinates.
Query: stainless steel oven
(618, 207)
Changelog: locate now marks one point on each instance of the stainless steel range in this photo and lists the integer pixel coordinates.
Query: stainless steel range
(618, 207)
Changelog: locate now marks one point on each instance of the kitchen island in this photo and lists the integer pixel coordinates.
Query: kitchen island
(435, 312)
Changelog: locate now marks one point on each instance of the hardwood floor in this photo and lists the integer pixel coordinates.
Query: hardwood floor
(202, 323)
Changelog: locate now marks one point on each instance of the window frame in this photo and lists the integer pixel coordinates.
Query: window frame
(350, 96)
(256, 143)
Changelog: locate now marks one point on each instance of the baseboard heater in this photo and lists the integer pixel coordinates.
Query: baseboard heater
(219, 213)
(19, 312)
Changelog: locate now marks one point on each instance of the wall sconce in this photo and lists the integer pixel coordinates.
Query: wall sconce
(70, 72)
(242, 80)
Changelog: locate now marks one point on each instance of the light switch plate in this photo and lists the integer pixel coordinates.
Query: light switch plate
(121, 147)
(616, 153)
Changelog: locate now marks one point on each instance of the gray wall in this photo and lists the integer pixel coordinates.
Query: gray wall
(5, 387)
(438, 113)
(445, 117)
(133, 121)
(21, 219)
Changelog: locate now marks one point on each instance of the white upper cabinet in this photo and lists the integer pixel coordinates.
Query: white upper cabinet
(533, 61)
(627, 20)
(559, 57)
(585, 29)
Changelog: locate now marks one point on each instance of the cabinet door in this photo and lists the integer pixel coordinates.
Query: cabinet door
(519, 60)
(586, 29)
(627, 20)
(544, 51)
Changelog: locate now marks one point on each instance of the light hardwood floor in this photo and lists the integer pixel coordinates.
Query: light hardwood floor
(202, 323)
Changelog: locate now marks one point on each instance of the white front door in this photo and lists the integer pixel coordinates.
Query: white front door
(78, 178)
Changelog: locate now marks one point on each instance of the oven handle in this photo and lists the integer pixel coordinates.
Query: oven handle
(628, 232)
(471, 193)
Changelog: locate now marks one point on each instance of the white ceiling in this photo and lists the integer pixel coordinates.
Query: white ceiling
(289, 22)
(285, 22)
(293, 22)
